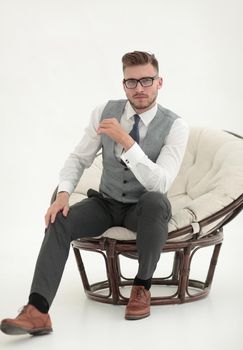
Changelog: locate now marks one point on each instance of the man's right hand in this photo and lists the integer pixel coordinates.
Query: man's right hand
(60, 204)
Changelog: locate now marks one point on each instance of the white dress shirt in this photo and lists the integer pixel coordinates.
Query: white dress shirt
(156, 176)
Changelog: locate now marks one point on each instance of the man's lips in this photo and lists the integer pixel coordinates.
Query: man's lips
(140, 96)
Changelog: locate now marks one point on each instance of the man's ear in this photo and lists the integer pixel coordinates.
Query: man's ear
(160, 83)
(123, 85)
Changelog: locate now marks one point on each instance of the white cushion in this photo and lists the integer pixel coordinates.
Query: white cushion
(210, 178)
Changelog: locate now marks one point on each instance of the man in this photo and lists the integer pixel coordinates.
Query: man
(142, 145)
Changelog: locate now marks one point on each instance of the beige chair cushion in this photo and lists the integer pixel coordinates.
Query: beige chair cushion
(210, 178)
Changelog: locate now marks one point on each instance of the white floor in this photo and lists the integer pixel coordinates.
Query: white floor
(212, 323)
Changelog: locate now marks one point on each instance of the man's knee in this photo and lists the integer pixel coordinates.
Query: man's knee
(60, 218)
(155, 203)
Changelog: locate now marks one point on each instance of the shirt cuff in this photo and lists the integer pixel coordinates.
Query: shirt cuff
(65, 186)
(132, 156)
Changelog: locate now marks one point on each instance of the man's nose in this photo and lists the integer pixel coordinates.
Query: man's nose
(139, 87)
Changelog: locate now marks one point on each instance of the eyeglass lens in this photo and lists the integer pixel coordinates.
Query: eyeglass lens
(145, 82)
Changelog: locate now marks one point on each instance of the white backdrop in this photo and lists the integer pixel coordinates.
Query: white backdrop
(60, 58)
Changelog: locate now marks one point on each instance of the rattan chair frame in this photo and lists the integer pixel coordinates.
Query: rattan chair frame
(186, 289)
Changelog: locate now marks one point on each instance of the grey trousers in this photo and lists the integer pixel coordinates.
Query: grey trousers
(91, 217)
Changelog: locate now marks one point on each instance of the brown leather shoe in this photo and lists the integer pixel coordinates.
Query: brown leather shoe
(30, 320)
(139, 303)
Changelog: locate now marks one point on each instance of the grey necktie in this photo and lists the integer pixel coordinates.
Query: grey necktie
(134, 133)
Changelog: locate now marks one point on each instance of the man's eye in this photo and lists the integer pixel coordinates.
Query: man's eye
(146, 81)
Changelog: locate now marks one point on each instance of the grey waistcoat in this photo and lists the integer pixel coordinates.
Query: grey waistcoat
(117, 181)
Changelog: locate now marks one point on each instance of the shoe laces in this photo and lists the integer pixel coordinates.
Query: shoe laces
(22, 309)
(139, 294)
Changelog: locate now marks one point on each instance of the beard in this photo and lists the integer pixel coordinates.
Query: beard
(144, 105)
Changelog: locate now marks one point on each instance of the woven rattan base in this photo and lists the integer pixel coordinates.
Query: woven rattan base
(185, 289)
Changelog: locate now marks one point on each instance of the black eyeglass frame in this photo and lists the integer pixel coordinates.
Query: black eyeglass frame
(139, 81)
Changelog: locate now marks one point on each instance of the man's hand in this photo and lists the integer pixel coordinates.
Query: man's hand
(60, 204)
(112, 128)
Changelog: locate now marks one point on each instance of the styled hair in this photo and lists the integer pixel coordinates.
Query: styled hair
(136, 58)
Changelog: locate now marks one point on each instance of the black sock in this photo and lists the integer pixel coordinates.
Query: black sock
(39, 302)
(139, 282)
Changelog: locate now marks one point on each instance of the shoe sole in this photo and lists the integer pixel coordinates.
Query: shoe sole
(15, 330)
(132, 317)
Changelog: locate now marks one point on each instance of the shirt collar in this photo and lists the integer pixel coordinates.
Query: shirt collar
(146, 117)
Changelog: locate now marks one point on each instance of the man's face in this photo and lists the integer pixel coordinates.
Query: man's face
(142, 98)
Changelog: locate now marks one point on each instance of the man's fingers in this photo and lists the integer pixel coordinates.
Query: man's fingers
(50, 216)
(65, 210)
(109, 121)
(53, 217)
(47, 219)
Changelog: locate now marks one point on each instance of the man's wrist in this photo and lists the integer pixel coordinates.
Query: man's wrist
(127, 142)
(63, 192)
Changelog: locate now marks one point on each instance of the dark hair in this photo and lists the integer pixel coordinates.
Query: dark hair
(136, 58)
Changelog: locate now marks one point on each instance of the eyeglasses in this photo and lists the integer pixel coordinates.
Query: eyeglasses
(145, 82)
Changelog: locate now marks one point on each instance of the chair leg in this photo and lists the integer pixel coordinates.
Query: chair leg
(213, 264)
(81, 269)
(176, 265)
(185, 270)
(113, 271)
